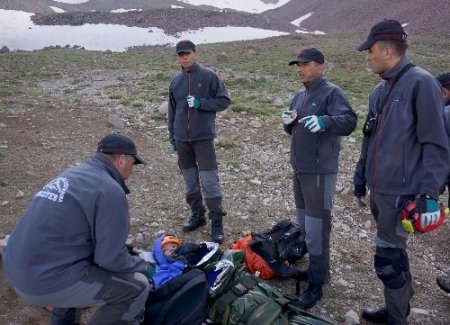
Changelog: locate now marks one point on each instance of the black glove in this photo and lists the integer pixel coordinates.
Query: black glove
(360, 190)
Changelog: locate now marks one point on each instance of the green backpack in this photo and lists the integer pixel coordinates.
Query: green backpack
(250, 301)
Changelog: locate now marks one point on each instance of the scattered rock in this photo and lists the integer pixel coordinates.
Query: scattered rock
(116, 121)
(351, 318)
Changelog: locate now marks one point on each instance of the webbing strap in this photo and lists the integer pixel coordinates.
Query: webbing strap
(238, 289)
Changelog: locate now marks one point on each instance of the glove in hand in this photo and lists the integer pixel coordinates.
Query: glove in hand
(288, 116)
(360, 190)
(314, 123)
(426, 204)
(193, 102)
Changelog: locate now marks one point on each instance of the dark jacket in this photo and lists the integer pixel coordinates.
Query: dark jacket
(318, 153)
(78, 219)
(191, 124)
(407, 152)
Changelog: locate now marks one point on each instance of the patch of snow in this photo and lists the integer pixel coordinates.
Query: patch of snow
(298, 21)
(56, 9)
(253, 6)
(120, 10)
(176, 7)
(18, 32)
(72, 2)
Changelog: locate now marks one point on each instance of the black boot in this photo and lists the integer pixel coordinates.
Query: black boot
(444, 282)
(197, 220)
(310, 296)
(373, 315)
(216, 229)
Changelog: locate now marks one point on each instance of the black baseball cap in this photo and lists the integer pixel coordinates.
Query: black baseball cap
(119, 144)
(308, 55)
(386, 30)
(444, 80)
(185, 46)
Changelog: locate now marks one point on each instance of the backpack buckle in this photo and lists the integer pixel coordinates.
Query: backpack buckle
(239, 289)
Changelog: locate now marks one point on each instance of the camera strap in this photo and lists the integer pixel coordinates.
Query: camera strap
(396, 78)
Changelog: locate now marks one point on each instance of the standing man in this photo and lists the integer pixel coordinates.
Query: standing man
(444, 79)
(316, 119)
(404, 157)
(196, 94)
(68, 250)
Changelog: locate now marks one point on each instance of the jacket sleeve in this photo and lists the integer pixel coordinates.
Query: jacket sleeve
(110, 232)
(431, 133)
(341, 119)
(218, 99)
(171, 115)
(359, 177)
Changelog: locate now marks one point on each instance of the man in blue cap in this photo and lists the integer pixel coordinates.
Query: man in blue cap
(68, 250)
(404, 157)
(316, 119)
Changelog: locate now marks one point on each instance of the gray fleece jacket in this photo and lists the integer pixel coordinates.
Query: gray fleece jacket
(78, 219)
(191, 124)
(407, 153)
(318, 153)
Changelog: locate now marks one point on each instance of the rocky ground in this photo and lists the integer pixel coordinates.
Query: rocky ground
(44, 132)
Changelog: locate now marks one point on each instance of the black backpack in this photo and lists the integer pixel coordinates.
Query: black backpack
(182, 300)
(283, 242)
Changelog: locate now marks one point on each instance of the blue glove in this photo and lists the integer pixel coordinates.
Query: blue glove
(427, 205)
(314, 123)
(193, 102)
(288, 116)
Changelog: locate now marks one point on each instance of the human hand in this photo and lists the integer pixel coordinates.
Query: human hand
(173, 146)
(193, 102)
(360, 190)
(314, 123)
(288, 116)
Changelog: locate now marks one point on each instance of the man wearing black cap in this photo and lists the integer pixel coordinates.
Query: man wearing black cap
(68, 250)
(195, 96)
(404, 157)
(316, 119)
(443, 281)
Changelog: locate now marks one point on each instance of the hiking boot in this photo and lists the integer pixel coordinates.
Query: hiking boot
(444, 283)
(216, 230)
(196, 221)
(373, 315)
(310, 296)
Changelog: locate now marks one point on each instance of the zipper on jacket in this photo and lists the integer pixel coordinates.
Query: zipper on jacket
(189, 111)
(300, 111)
(378, 139)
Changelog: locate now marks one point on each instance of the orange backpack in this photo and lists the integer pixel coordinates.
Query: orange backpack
(253, 261)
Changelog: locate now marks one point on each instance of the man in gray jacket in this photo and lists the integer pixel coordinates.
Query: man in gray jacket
(404, 157)
(68, 250)
(316, 119)
(196, 94)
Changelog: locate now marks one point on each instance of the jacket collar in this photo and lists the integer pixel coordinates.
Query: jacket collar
(395, 70)
(111, 170)
(313, 84)
(193, 68)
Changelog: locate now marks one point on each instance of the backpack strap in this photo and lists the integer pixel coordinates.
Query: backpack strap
(238, 289)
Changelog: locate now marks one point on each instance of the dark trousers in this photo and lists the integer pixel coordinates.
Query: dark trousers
(391, 259)
(198, 163)
(313, 194)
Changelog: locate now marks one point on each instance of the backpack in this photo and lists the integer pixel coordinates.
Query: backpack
(254, 262)
(279, 246)
(250, 301)
(182, 300)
